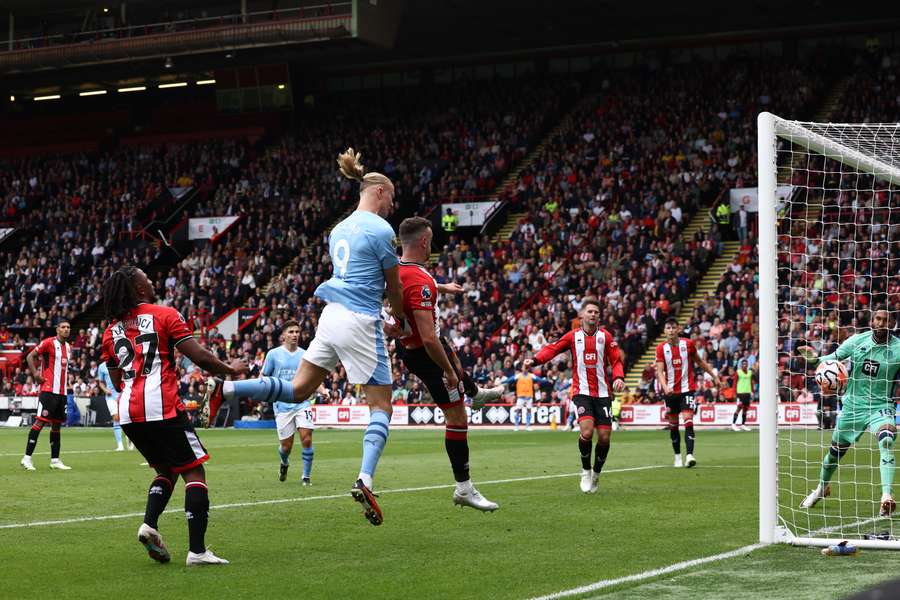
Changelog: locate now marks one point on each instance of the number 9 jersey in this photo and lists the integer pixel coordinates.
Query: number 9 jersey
(142, 345)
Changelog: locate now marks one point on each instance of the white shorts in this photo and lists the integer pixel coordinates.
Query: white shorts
(524, 402)
(113, 406)
(354, 339)
(289, 422)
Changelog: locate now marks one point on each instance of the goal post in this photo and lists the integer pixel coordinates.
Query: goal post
(816, 171)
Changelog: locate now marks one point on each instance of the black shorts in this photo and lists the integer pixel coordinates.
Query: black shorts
(170, 444)
(675, 403)
(744, 399)
(597, 409)
(52, 408)
(417, 362)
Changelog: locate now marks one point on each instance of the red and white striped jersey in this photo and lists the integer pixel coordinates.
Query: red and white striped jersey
(54, 356)
(142, 345)
(677, 361)
(591, 353)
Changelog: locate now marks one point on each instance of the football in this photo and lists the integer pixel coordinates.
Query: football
(831, 375)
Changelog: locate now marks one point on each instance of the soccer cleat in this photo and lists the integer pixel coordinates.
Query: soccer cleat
(516, 428)
(55, 463)
(213, 387)
(745, 428)
(120, 448)
(814, 496)
(678, 463)
(734, 427)
(364, 496)
(689, 461)
(26, 462)
(528, 428)
(474, 499)
(130, 445)
(595, 482)
(888, 506)
(153, 542)
(207, 558)
(586, 475)
(282, 472)
(305, 481)
(486, 395)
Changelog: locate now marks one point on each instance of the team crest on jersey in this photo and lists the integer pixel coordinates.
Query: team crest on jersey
(426, 292)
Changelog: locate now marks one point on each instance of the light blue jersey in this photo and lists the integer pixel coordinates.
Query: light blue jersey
(361, 247)
(283, 364)
(103, 375)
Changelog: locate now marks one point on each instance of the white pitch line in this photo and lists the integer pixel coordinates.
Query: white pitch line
(311, 498)
(599, 585)
(273, 444)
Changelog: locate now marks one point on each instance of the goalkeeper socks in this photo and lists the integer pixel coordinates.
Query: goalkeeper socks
(55, 441)
(675, 437)
(689, 436)
(284, 454)
(457, 445)
(33, 434)
(830, 464)
(374, 440)
(117, 432)
(157, 499)
(307, 455)
(265, 389)
(600, 459)
(886, 449)
(196, 510)
(584, 448)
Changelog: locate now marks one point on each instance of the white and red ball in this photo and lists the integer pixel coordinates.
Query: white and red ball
(831, 375)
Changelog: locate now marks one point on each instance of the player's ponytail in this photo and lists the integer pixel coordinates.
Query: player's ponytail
(119, 294)
(351, 168)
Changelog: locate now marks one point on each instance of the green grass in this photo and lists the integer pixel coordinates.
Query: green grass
(546, 537)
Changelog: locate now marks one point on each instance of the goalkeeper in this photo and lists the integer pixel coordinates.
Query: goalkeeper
(868, 403)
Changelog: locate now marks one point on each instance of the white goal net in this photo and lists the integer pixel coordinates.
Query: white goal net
(829, 210)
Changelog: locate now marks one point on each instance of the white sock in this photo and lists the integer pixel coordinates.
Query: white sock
(228, 389)
(366, 479)
(464, 487)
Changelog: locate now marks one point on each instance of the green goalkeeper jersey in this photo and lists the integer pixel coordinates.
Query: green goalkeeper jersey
(873, 369)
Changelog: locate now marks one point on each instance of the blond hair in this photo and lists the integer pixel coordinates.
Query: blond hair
(351, 168)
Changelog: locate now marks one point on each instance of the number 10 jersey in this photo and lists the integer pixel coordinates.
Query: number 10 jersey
(142, 346)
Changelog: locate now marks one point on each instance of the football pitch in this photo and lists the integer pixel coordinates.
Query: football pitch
(73, 534)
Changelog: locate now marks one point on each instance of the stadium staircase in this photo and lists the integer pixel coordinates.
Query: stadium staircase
(707, 285)
(504, 233)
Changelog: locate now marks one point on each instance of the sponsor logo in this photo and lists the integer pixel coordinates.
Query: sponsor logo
(343, 415)
(791, 414)
(871, 368)
(627, 415)
(421, 415)
(590, 358)
(497, 415)
(707, 414)
(580, 410)
(751, 414)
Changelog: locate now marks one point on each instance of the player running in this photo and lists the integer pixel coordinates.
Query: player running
(675, 361)
(350, 327)
(54, 353)
(138, 348)
(868, 403)
(425, 354)
(593, 349)
(290, 417)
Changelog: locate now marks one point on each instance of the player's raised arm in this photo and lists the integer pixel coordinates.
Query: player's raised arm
(205, 359)
(549, 351)
(843, 352)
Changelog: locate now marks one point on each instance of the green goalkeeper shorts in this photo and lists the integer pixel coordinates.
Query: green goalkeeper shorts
(852, 423)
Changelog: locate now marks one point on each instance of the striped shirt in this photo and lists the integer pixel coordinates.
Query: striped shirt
(591, 354)
(676, 359)
(54, 356)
